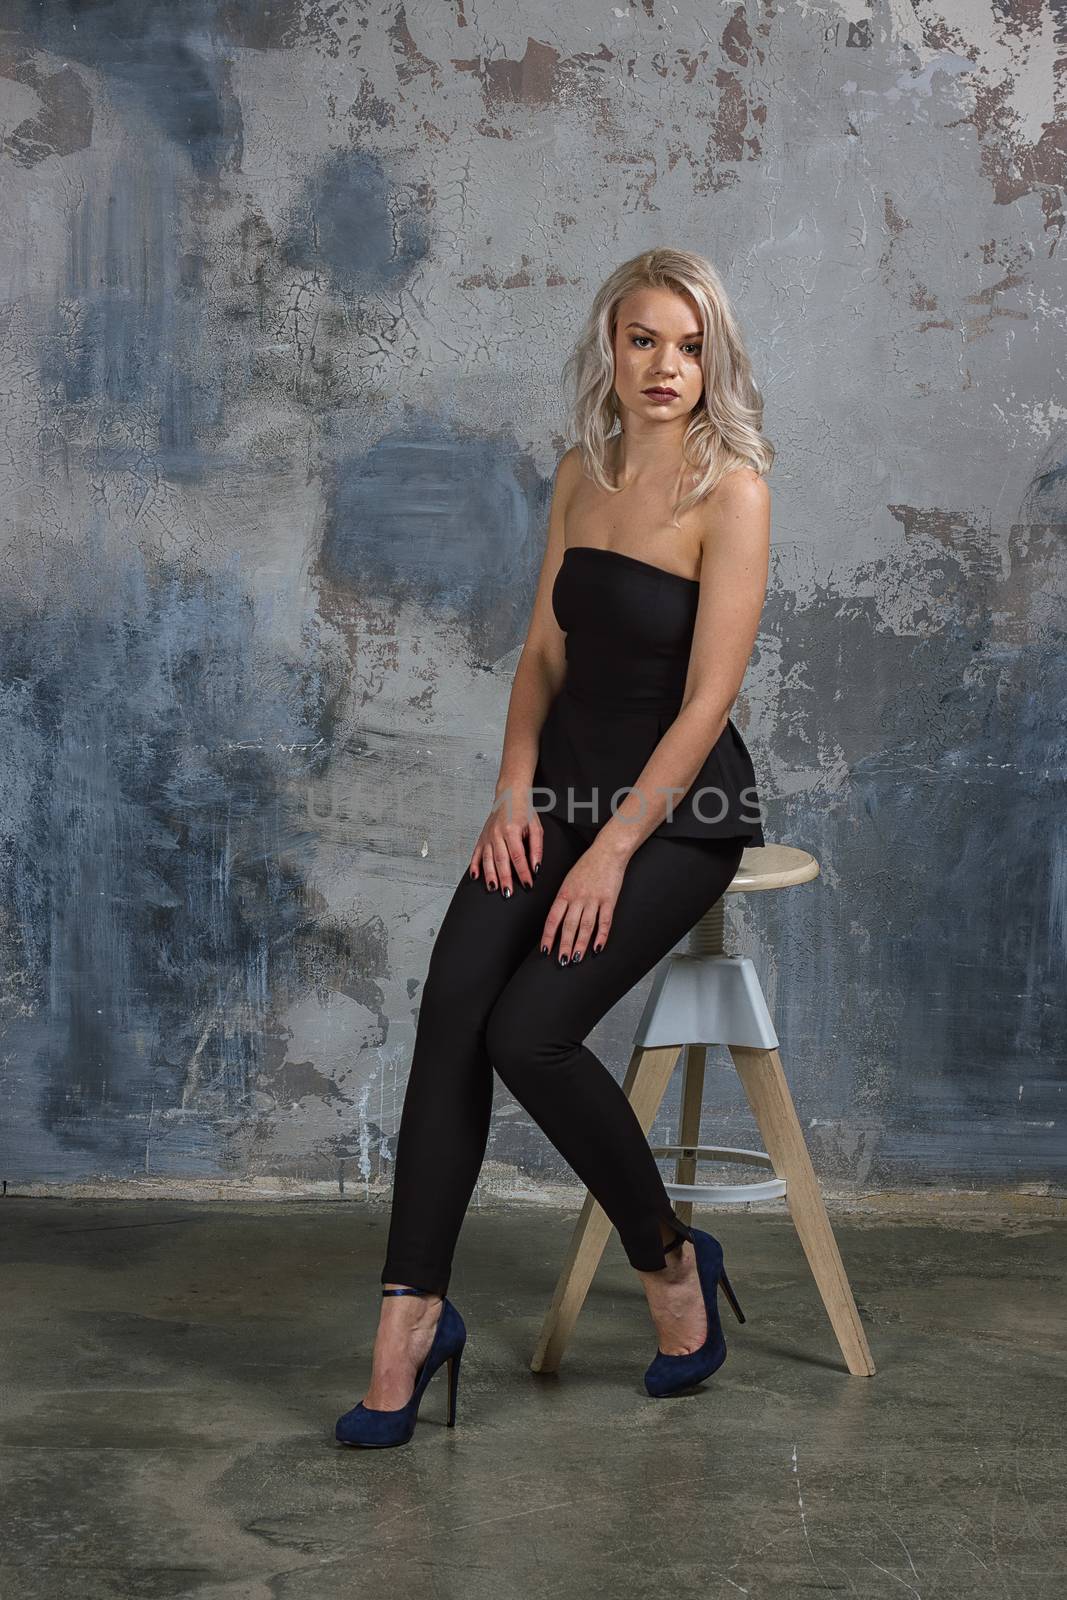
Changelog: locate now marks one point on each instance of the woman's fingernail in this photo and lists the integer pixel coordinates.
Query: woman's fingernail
(472, 874)
(507, 894)
(597, 949)
(575, 959)
(544, 949)
(563, 961)
(537, 868)
(490, 886)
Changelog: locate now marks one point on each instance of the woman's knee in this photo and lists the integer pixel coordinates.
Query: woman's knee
(521, 1046)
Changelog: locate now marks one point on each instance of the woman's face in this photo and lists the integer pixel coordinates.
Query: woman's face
(658, 342)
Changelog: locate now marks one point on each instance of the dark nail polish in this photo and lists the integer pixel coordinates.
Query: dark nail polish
(544, 949)
(563, 961)
(490, 885)
(472, 875)
(507, 894)
(597, 949)
(575, 959)
(537, 868)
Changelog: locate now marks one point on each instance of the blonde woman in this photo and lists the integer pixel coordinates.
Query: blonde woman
(624, 801)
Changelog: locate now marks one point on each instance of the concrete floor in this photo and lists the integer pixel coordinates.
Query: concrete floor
(172, 1372)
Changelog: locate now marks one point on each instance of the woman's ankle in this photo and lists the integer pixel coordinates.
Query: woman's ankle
(419, 1309)
(677, 1265)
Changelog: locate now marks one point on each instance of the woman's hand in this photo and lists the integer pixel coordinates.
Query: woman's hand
(510, 832)
(584, 905)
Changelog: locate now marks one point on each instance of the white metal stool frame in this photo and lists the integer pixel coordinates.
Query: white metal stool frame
(702, 997)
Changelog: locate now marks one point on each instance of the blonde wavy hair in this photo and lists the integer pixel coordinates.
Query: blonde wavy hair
(725, 428)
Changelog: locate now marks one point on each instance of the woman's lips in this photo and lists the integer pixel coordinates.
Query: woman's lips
(660, 394)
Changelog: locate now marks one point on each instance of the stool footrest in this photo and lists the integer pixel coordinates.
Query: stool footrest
(725, 1193)
(712, 1152)
(728, 1193)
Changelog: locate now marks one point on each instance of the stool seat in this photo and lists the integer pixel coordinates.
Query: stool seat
(699, 997)
(773, 866)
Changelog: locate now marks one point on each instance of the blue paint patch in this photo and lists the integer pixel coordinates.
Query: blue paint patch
(163, 56)
(920, 993)
(125, 332)
(452, 522)
(356, 227)
(155, 857)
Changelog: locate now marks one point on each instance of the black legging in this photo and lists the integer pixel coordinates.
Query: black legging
(491, 999)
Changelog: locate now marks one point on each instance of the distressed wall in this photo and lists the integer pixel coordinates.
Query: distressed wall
(286, 293)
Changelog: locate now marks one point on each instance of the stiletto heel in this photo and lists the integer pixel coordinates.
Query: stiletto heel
(734, 1307)
(374, 1429)
(453, 1387)
(671, 1374)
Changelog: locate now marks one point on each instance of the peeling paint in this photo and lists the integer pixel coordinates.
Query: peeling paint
(287, 295)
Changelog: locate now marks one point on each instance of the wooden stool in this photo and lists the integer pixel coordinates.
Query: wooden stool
(703, 997)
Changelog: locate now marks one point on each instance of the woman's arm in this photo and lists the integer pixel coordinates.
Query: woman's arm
(542, 665)
(733, 582)
(511, 838)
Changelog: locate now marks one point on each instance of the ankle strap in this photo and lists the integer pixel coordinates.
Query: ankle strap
(423, 1292)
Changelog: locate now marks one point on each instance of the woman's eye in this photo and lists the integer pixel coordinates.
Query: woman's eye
(695, 348)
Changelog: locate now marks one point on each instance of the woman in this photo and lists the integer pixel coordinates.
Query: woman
(624, 802)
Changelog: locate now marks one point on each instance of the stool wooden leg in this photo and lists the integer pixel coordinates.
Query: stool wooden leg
(765, 1084)
(645, 1084)
(685, 1166)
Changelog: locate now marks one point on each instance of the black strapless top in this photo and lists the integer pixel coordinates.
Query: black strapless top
(629, 627)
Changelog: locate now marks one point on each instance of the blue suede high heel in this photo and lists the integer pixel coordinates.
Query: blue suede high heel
(376, 1429)
(671, 1374)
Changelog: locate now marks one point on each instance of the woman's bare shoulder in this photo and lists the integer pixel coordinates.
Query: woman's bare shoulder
(742, 486)
(738, 507)
(569, 465)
